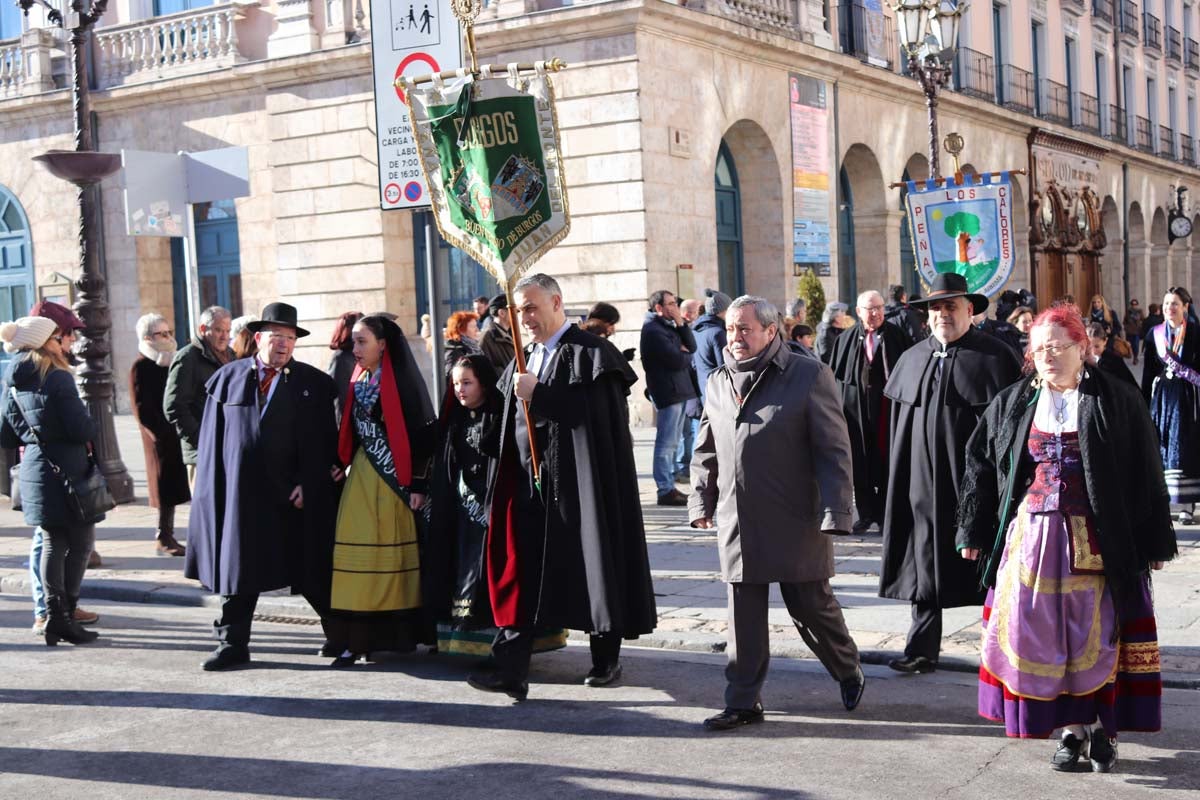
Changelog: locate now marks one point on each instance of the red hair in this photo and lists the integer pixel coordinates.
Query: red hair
(456, 326)
(1065, 316)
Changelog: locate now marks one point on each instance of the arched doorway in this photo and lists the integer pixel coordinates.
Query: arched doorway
(16, 260)
(730, 276)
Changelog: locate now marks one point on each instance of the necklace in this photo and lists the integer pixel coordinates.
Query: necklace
(1060, 411)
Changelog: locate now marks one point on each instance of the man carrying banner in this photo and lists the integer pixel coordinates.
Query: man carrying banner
(566, 545)
(939, 389)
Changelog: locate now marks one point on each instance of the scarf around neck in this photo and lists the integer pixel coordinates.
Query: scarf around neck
(160, 357)
(393, 421)
(743, 373)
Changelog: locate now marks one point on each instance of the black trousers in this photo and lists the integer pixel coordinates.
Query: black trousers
(237, 612)
(513, 647)
(925, 635)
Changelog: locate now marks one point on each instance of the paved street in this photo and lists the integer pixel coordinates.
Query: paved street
(132, 717)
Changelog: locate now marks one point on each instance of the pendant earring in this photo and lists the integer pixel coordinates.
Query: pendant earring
(1036, 383)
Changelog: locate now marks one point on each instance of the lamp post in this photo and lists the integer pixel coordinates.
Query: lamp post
(929, 35)
(85, 168)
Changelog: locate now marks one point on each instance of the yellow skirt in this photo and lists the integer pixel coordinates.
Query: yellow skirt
(376, 565)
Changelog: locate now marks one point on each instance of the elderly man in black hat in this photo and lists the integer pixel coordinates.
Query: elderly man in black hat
(938, 389)
(497, 342)
(264, 506)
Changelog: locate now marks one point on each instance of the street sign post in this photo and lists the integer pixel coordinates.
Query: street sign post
(408, 37)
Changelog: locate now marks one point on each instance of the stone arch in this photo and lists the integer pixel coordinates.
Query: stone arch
(766, 263)
(1160, 267)
(1158, 227)
(917, 167)
(1137, 224)
(865, 209)
(1139, 254)
(1111, 258)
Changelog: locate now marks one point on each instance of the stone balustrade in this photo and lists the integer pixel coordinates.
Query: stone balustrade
(12, 68)
(774, 15)
(25, 63)
(191, 41)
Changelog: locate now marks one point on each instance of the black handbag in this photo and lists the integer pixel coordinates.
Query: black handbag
(88, 497)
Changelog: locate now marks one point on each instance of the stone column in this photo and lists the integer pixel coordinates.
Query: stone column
(35, 48)
(299, 22)
(877, 248)
(1140, 280)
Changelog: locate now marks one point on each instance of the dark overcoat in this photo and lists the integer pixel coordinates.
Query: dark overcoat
(166, 475)
(583, 565)
(244, 535)
(1123, 473)
(934, 414)
(849, 363)
(65, 428)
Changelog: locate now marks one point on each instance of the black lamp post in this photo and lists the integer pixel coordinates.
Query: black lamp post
(929, 35)
(85, 168)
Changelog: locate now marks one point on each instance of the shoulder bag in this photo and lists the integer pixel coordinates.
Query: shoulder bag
(88, 497)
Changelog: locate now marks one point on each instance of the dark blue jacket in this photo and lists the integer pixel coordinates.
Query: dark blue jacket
(64, 426)
(709, 331)
(668, 365)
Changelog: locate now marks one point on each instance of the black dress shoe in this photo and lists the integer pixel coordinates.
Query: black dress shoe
(226, 658)
(494, 682)
(732, 718)
(329, 650)
(913, 664)
(1102, 751)
(852, 689)
(345, 660)
(862, 526)
(1070, 747)
(603, 676)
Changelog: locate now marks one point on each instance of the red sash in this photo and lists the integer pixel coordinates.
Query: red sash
(393, 421)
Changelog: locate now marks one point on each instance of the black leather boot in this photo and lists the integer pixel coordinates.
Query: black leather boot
(60, 626)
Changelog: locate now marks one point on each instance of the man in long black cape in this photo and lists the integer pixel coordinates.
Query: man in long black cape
(265, 501)
(939, 390)
(864, 358)
(568, 551)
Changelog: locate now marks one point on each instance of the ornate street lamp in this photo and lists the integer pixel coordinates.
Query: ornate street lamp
(929, 35)
(85, 168)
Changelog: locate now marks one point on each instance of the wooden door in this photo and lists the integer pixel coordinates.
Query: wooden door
(1049, 277)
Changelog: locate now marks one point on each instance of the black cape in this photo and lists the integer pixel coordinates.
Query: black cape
(580, 561)
(849, 362)
(244, 535)
(932, 420)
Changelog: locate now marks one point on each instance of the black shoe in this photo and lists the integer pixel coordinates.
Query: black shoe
(330, 650)
(913, 664)
(494, 682)
(345, 660)
(226, 658)
(852, 689)
(1070, 747)
(862, 526)
(732, 718)
(1102, 751)
(600, 676)
(673, 498)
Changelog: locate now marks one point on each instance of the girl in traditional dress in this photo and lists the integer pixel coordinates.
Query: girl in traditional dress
(1069, 638)
(1171, 385)
(470, 438)
(387, 440)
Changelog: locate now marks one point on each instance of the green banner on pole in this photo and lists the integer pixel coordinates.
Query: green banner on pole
(489, 149)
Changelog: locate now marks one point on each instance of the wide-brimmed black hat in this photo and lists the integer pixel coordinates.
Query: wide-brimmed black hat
(948, 285)
(277, 314)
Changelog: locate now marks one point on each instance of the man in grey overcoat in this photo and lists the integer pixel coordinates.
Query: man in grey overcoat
(772, 473)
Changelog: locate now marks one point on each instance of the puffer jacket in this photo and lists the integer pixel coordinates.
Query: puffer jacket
(64, 427)
(709, 330)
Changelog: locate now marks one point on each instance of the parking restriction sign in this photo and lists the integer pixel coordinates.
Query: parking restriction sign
(408, 37)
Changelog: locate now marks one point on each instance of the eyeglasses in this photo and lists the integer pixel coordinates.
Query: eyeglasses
(167, 334)
(1052, 350)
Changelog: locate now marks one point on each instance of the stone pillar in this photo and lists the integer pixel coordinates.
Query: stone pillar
(1140, 280)
(876, 248)
(298, 24)
(35, 46)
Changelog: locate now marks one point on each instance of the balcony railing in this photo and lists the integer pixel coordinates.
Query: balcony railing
(12, 68)
(1087, 113)
(975, 74)
(1116, 127)
(1152, 33)
(1016, 89)
(1103, 10)
(1129, 19)
(1166, 142)
(1191, 56)
(773, 15)
(26, 63)
(1143, 134)
(1054, 102)
(1187, 153)
(1174, 44)
(866, 34)
(176, 44)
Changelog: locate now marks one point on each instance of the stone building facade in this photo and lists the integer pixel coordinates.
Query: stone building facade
(699, 138)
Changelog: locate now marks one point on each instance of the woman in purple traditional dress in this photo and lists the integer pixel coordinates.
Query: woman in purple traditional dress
(1171, 385)
(1066, 542)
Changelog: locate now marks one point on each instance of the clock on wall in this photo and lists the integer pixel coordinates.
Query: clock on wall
(1179, 227)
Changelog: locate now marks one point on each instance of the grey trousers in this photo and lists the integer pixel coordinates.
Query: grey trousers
(65, 552)
(817, 616)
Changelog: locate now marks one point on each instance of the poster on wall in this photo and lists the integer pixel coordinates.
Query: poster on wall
(964, 228)
(810, 174)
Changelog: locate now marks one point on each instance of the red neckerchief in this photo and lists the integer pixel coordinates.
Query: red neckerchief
(393, 421)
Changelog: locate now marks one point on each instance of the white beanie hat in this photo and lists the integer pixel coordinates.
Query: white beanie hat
(27, 333)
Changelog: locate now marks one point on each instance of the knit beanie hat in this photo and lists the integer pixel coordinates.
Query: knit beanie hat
(715, 302)
(27, 333)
